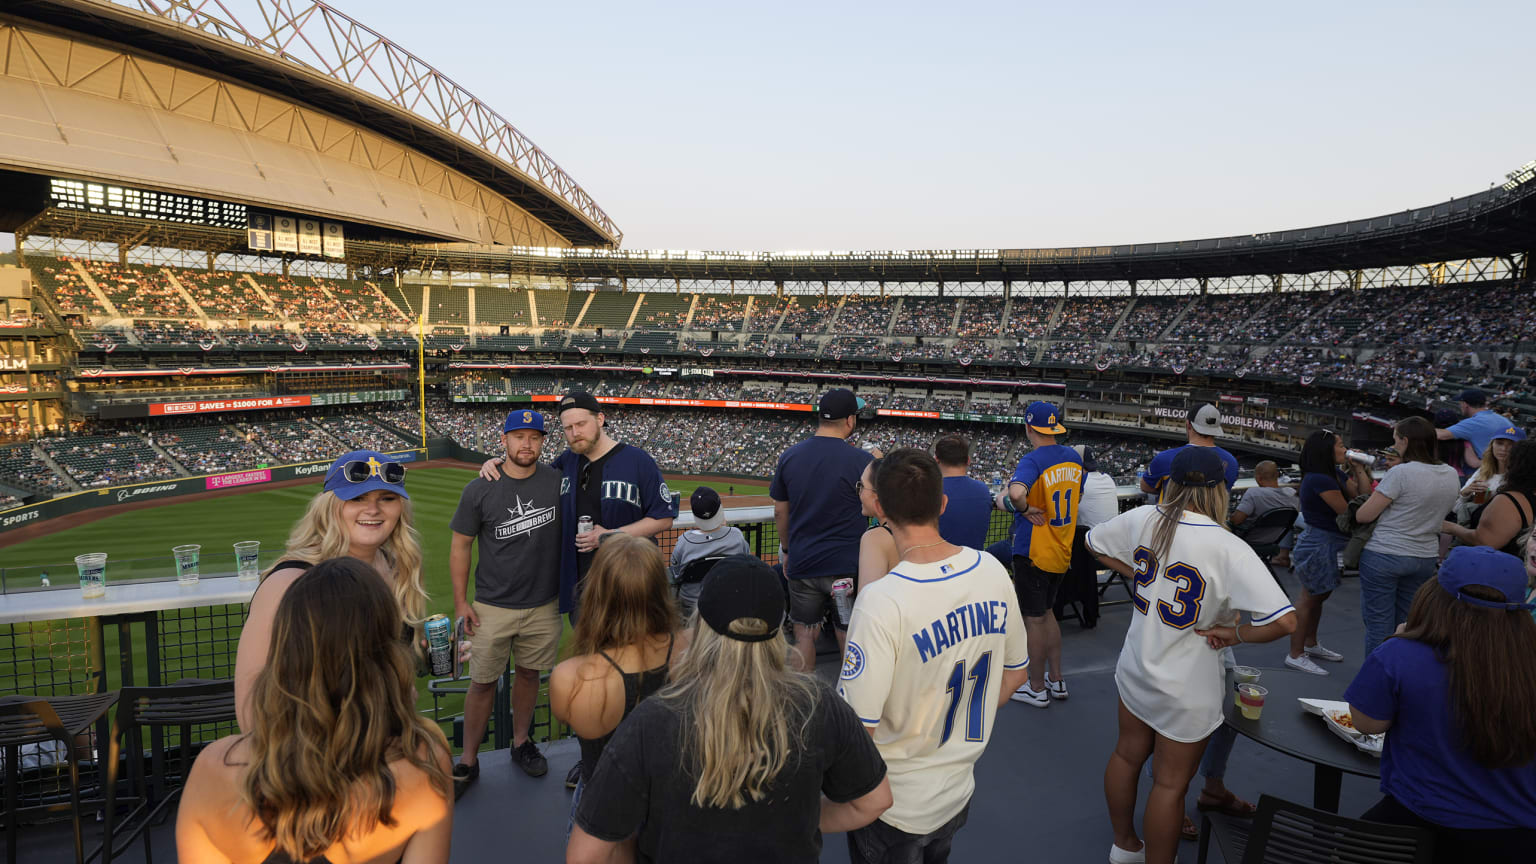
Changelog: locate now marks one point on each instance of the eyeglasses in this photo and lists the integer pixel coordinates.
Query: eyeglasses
(358, 471)
(585, 476)
(858, 486)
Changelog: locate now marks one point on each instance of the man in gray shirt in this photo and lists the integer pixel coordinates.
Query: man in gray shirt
(1267, 495)
(516, 519)
(709, 537)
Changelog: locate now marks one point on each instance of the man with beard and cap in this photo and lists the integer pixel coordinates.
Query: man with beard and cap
(516, 518)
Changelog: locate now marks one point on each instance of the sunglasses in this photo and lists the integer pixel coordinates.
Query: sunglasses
(585, 475)
(359, 471)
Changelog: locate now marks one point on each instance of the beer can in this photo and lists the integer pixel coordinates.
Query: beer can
(842, 591)
(584, 524)
(459, 626)
(440, 644)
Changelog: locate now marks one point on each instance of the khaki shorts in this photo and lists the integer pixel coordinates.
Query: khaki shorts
(531, 635)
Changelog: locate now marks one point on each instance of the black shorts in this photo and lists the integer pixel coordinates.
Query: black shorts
(1036, 588)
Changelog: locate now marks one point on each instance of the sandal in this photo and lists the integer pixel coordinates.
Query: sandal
(463, 775)
(1229, 805)
(1189, 831)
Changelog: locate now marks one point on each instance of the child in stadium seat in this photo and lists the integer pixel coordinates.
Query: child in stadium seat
(709, 537)
(328, 757)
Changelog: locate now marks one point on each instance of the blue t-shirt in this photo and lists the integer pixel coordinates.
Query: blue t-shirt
(1314, 510)
(817, 477)
(632, 490)
(1424, 765)
(1162, 463)
(1058, 493)
(968, 513)
(1480, 428)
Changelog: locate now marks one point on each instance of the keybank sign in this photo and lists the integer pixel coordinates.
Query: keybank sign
(307, 470)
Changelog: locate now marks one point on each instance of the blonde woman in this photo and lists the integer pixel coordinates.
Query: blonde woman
(335, 766)
(736, 751)
(1191, 577)
(1481, 486)
(624, 643)
(362, 512)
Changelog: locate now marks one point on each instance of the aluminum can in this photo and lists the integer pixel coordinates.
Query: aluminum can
(842, 598)
(440, 644)
(1360, 457)
(459, 625)
(584, 524)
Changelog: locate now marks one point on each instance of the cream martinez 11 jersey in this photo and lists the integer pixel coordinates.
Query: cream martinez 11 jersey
(927, 646)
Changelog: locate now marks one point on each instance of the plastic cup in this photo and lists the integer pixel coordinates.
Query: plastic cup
(186, 563)
(1244, 675)
(93, 575)
(1250, 698)
(247, 560)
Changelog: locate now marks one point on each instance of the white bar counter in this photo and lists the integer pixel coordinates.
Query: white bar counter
(123, 599)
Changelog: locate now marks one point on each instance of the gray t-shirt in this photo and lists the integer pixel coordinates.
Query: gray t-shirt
(696, 544)
(1422, 495)
(518, 526)
(1259, 500)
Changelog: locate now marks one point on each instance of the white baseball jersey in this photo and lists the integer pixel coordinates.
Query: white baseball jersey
(927, 646)
(1167, 674)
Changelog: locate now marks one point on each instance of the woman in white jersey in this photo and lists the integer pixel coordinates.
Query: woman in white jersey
(1191, 578)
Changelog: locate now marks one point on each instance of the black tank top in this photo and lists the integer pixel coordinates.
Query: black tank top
(1514, 546)
(637, 687)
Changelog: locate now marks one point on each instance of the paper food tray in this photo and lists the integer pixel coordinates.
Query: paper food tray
(1318, 706)
(1369, 744)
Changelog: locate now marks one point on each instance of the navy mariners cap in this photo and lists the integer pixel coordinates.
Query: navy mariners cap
(578, 399)
(838, 403)
(1042, 417)
(1198, 466)
(1472, 396)
(525, 418)
(359, 472)
(1487, 567)
(1090, 464)
(742, 586)
(1511, 433)
(707, 513)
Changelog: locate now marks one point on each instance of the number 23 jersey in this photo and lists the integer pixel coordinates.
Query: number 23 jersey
(1167, 675)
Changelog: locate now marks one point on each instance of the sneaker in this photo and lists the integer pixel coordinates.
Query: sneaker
(1058, 689)
(1321, 653)
(1037, 698)
(528, 758)
(1123, 856)
(1305, 664)
(573, 776)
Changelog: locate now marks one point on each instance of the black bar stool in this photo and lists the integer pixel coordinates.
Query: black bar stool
(184, 704)
(33, 720)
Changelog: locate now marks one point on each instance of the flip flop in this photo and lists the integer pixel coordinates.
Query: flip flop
(1189, 831)
(1231, 805)
(463, 775)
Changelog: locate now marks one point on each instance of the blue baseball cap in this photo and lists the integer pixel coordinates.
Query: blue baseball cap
(1197, 466)
(359, 472)
(1042, 417)
(1490, 568)
(525, 418)
(1512, 433)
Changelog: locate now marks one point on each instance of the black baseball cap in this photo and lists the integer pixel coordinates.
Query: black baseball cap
(742, 586)
(705, 503)
(1472, 396)
(838, 403)
(1198, 466)
(578, 399)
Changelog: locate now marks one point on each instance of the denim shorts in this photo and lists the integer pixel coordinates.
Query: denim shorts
(1315, 560)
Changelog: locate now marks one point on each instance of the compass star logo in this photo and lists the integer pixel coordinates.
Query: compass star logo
(525, 518)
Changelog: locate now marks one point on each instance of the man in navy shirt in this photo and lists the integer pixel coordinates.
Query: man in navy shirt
(1479, 427)
(968, 506)
(1202, 426)
(816, 510)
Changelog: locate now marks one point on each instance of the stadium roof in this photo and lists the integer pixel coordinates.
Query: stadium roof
(314, 54)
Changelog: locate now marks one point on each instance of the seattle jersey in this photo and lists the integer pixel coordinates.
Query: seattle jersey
(1053, 474)
(632, 490)
(1167, 675)
(927, 646)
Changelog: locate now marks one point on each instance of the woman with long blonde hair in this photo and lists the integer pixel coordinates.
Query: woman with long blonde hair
(738, 749)
(363, 512)
(336, 765)
(624, 643)
(1191, 578)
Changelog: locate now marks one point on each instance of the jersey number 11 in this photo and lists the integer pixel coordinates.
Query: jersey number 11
(975, 708)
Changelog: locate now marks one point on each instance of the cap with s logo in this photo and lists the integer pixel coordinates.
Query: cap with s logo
(524, 418)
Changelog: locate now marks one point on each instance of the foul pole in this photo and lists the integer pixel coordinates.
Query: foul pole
(421, 377)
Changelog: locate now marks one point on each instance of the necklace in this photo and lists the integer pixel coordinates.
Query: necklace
(922, 546)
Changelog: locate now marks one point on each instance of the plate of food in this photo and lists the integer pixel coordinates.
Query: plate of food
(1343, 725)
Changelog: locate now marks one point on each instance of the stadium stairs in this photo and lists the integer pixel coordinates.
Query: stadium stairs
(56, 468)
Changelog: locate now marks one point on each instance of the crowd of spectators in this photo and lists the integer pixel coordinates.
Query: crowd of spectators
(210, 449)
(225, 295)
(807, 314)
(359, 432)
(184, 333)
(981, 318)
(138, 292)
(1221, 317)
(1089, 316)
(298, 299)
(20, 467)
(925, 316)
(364, 300)
(1150, 317)
(58, 277)
(107, 460)
(715, 312)
(297, 440)
(861, 314)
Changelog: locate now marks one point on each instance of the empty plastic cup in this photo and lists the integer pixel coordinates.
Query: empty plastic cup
(1244, 675)
(93, 574)
(1250, 698)
(186, 563)
(247, 555)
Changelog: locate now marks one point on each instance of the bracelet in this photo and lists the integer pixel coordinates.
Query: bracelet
(1238, 631)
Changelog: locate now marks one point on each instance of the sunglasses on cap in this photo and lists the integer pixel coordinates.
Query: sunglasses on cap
(359, 471)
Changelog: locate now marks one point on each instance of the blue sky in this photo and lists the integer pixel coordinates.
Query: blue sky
(827, 125)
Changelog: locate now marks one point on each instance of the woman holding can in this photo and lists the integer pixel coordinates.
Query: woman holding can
(1326, 491)
(362, 512)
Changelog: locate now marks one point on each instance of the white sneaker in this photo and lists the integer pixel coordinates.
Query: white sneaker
(1123, 856)
(1305, 664)
(1037, 698)
(1322, 653)
(1057, 689)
